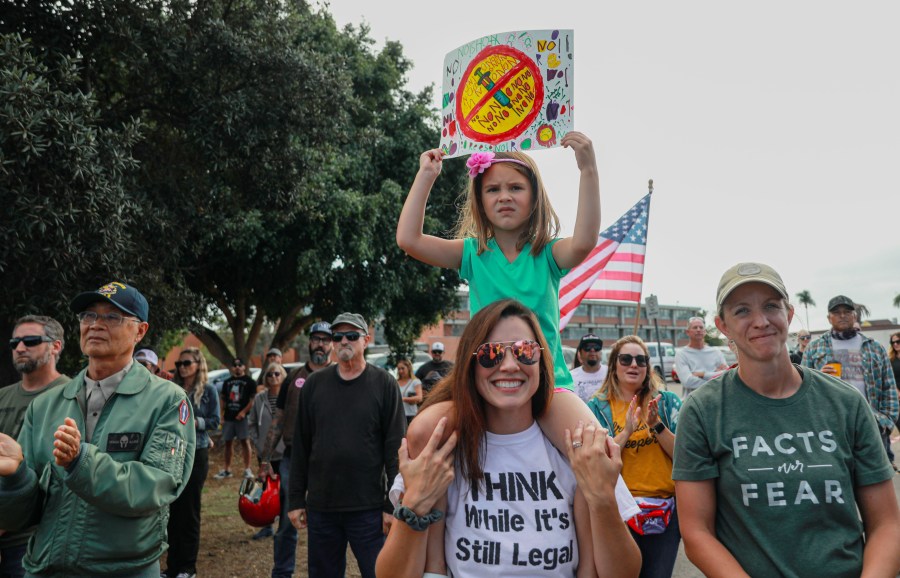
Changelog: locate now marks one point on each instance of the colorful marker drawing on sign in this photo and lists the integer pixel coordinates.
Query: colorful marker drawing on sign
(507, 92)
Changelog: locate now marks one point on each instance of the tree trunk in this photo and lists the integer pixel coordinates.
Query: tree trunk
(216, 346)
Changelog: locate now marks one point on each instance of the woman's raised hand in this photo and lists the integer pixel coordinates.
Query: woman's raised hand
(429, 475)
(653, 411)
(596, 462)
(633, 416)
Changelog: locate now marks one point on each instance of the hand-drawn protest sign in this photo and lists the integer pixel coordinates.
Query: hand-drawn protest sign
(509, 91)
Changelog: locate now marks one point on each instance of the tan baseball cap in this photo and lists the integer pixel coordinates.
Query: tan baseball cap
(748, 273)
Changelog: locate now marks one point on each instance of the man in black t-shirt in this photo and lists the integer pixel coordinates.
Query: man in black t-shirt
(433, 371)
(347, 432)
(237, 400)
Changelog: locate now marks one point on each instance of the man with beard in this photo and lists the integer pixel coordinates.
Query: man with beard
(433, 371)
(589, 371)
(100, 458)
(36, 343)
(283, 429)
(349, 424)
(863, 364)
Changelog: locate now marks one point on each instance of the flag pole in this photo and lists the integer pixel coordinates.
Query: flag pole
(637, 316)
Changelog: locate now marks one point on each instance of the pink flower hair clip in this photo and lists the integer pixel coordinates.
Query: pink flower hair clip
(480, 162)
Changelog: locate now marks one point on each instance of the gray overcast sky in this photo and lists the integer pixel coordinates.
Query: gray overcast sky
(771, 130)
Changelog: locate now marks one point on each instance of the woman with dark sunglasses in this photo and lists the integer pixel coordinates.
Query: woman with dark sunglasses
(260, 420)
(184, 513)
(514, 505)
(631, 403)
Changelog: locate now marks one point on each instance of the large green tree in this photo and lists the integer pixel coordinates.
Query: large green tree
(66, 215)
(275, 156)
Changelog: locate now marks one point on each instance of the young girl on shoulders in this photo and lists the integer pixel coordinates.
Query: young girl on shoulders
(507, 247)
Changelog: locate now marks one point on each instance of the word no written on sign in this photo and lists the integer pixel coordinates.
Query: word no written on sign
(508, 92)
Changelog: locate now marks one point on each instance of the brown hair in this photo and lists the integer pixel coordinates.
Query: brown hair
(409, 370)
(652, 382)
(543, 223)
(892, 354)
(459, 386)
(200, 377)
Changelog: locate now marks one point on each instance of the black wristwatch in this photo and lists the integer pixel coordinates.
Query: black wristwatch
(658, 428)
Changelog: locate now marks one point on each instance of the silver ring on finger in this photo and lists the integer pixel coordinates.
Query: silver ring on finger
(576, 445)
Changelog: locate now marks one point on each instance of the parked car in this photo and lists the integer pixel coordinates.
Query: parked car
(381, 360)
(730, 357)
(668, 358)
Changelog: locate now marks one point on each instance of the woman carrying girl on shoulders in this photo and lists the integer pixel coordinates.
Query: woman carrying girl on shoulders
(507, 247)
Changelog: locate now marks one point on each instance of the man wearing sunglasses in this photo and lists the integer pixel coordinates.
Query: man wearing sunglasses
(589, 371)
(238, 392)
(346, 436)
(698, 362)
(36, 343)
(863, 361)
(282, 430)
(431, 372)
(99, 460)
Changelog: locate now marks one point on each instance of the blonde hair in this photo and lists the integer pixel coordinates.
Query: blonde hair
(652, 382)
(543, 223)
(200, 378)
(276, 367)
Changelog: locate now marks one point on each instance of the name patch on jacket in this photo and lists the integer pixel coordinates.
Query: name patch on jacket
(123, 442)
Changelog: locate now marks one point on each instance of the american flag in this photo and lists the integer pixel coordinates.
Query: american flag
(614, 269)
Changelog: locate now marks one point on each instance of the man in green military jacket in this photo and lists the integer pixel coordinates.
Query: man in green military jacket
(99, 460)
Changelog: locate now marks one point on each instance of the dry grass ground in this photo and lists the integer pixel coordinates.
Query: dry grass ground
(226, 548)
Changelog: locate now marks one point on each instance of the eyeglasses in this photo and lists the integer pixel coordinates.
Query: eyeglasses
(185, 363)
(805, 337)
(350, 335)
(237, 364)
(437, 352)
(110, 319)
(893, 341)
(491, 354)
(318, 339)
(273, 374)
(589, 347)
(626, 359)
(28, 340)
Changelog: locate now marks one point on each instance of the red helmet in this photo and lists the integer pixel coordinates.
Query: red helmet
(259, 503)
